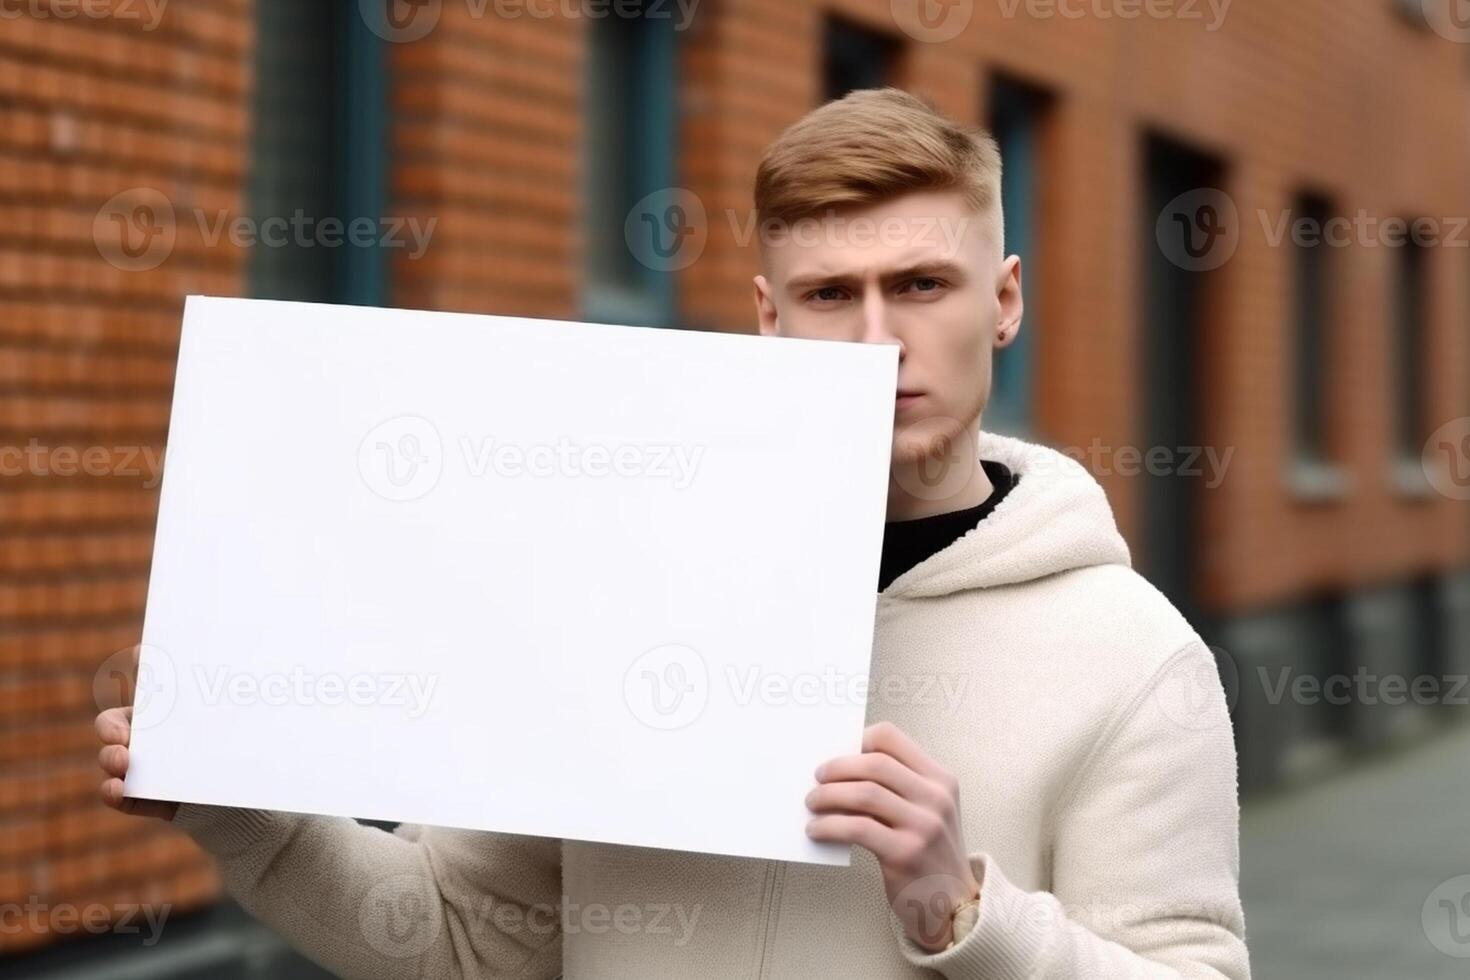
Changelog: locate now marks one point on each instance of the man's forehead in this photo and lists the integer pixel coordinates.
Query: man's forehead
(880, 238)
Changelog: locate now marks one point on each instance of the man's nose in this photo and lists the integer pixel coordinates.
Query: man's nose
(878, 322)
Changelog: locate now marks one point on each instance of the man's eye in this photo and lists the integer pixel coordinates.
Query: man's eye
(828, 294)
(923, 284)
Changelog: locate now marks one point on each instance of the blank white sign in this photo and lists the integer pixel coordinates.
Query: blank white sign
(604, 583)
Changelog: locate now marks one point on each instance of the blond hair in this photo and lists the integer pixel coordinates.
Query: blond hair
(873, 145)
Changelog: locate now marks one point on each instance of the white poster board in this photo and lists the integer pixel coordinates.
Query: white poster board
(518, 575)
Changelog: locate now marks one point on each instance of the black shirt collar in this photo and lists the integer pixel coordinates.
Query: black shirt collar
(906, 543)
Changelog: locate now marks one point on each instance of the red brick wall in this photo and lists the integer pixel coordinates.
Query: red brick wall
(90, 108)
(487, 138)
(1308, 95)
(1352, 99)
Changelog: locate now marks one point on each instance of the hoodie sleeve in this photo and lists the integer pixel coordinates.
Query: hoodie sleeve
(1145, 856)
(418, 902)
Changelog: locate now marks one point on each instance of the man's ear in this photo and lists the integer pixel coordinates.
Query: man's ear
(765, 308)
(1012, 306)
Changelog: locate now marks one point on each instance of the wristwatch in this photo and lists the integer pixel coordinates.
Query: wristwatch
(962, 920)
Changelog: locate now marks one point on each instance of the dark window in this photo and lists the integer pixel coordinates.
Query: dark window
(631, 138)
(855, 58)
(1176, 390)
(1017, 116)
(319, 154)
(1312, 316)
(1408, 340)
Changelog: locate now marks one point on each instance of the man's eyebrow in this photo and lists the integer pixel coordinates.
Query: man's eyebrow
(937, 268)
(814, 280)
(928, 268)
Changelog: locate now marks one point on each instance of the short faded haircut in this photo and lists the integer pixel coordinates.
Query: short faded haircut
(871, 146)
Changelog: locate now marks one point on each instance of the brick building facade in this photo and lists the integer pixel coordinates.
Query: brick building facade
(91, 106)
(1316, 375)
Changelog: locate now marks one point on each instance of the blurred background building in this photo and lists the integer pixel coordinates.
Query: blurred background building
(1280, 421)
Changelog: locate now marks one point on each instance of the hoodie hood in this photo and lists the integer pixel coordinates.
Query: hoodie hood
(1055, 519)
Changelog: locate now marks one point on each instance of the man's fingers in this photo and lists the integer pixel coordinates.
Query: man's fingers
(115, 726)
(863, 798)
(114, 760)
(882, 769)
(112, 795)
(863, 831)
(887, 737)
(112, 792)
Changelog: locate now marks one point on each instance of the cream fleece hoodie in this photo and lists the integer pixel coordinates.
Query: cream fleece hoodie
(1080, 712)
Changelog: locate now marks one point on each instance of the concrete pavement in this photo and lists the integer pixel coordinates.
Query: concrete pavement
(1358, 877)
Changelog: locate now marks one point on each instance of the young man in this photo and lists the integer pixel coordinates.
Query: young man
(1065, 808)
